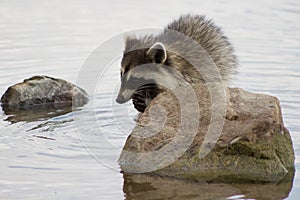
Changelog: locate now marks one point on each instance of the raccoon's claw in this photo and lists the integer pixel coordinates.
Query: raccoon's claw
(137, 117)
(140, 106)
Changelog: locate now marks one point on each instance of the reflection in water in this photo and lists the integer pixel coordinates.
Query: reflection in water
(145, 187)
(50, 126)
(36, 113)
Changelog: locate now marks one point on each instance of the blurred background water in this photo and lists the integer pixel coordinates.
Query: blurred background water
(74, 155)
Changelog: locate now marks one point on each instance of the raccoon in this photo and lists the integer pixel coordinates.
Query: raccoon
(158, 54)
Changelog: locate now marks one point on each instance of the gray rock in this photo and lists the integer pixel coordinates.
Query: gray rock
(254, 145)
(43, 91)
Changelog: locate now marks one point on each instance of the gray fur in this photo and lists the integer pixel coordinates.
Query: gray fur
(215, 44)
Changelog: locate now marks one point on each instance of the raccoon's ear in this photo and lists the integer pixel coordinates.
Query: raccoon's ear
(157, 53)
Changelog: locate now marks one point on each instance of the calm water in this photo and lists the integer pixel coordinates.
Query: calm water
(78, 160)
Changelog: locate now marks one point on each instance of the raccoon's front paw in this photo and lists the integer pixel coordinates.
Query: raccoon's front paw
(139, 103)
(139, 106)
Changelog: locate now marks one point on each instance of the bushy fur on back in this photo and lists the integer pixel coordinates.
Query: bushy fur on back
(211, 38)
(196, 27)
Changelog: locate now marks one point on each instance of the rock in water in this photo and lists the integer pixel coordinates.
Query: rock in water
(43, 91)
(254, 145)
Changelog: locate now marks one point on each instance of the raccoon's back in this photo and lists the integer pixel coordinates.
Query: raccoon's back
(211, 38)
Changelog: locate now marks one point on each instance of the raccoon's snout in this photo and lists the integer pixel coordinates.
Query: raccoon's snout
(124, 96)
(120, 99)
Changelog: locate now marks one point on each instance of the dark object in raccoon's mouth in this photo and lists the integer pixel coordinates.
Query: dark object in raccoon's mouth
(143, 96)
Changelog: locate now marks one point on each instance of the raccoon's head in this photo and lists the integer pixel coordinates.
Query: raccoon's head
(140, 69)
(137, 53)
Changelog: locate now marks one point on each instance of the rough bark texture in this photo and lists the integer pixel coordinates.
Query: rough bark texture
(254, 145)
(43, 91)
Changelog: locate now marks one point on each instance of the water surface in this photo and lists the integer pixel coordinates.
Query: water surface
(74, 154)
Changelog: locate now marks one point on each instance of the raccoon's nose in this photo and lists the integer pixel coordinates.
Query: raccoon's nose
(120, 99)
